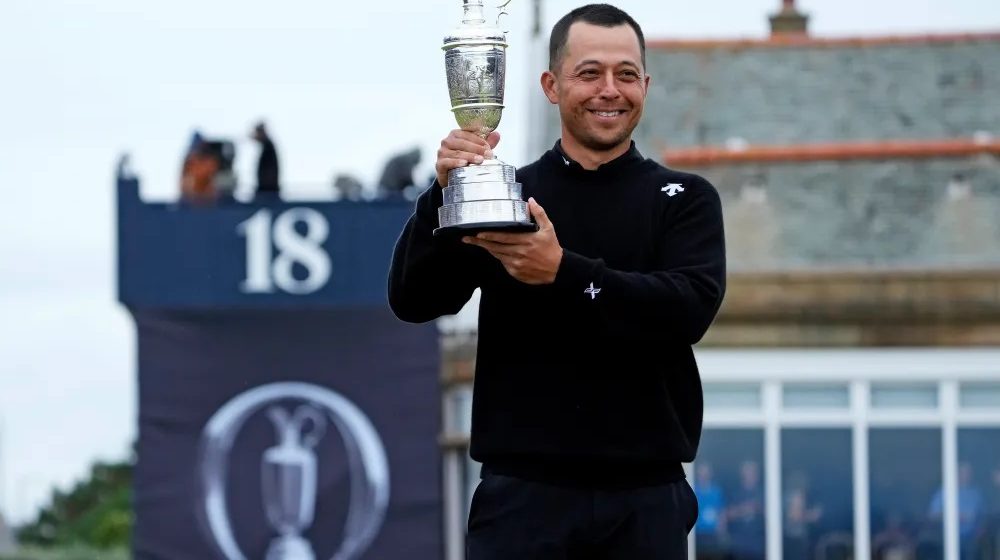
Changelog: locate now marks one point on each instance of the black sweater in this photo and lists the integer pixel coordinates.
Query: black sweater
(592, 379)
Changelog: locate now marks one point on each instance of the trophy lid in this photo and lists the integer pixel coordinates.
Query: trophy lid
(474, 29)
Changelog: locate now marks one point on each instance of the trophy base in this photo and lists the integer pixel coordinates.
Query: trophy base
(483, 197)
(461, 230)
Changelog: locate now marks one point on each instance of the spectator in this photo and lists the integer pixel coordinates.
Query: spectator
(745, 517)
(710, 527)
(894, 542)
(800, 518)
(267, 165)
(198, 172)
(348, 187)
(970, 509)
(397, 175)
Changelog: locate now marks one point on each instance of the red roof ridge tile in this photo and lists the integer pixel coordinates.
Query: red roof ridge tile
(703, 156)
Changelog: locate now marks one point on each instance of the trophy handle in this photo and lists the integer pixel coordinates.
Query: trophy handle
(311, 432)
(279, 416)
(503, 10)
(306, 426)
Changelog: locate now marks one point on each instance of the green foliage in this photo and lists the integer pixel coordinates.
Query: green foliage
(95, 517)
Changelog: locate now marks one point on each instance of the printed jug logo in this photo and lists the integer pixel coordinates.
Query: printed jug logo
(289, 470)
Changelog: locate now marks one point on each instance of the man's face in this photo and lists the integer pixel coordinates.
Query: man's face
(600, 85)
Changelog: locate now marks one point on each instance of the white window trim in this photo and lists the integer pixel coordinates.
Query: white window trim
(859, 368)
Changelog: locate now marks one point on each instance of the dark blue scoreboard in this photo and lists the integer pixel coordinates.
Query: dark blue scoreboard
(284, 412)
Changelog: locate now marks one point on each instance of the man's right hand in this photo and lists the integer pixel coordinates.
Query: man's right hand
(460, 148)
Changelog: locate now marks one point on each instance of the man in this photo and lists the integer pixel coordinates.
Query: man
(710, 529)
(267, 164)
(397, 175)
(745, 517)
(587, 397)
(199, 173)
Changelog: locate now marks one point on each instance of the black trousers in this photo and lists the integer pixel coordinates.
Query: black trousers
(514, 519)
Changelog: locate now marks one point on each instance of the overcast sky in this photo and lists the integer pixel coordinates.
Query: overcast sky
(342, 88)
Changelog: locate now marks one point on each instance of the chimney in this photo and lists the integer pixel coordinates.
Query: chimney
(789, 21)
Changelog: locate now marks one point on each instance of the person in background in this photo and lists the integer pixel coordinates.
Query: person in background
(397, 174)
(970, 510)
(348, 187)
(745, 517)
(198, 173)
(268, 183)
(710, 529)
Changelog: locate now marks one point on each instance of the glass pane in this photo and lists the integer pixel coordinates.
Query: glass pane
(729, 482)
(905, 396)
(979, 492)
(818, 491)
(461, 402)
(724, 396)
(980, 395)
(816, 396)
(905, 468)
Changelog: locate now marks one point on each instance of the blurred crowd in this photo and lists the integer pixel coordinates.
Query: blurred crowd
(731, 523)
(208, 177)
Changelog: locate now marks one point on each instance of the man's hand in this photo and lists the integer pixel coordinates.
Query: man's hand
(532, 258)
(460, 148)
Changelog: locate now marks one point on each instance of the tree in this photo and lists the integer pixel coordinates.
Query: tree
(96, 512)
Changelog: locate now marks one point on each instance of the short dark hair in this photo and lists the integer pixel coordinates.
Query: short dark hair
(604, 15)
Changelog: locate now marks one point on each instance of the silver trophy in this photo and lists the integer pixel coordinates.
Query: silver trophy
(289, 481)
(484, 196)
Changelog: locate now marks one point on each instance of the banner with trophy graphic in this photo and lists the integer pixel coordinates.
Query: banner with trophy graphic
(287, 435)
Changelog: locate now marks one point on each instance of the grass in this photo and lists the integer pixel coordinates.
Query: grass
(73, 553)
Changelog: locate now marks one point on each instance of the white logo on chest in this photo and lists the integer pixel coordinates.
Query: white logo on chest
(672, 189)
(592, 291)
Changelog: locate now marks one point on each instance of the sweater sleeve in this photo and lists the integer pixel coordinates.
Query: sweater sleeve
(681, 296)
(430, 277)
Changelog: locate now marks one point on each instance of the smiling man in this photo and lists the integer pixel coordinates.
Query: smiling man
(587, 397)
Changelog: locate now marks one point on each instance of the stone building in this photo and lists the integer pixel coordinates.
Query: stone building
(854, 369)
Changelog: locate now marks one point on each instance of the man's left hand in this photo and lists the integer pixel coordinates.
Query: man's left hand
(532, 258)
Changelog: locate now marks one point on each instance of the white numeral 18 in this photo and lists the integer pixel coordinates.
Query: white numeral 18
(265, 272)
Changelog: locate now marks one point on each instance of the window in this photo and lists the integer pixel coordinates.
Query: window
(817, 493)
(816, 395)
(898, 395)
(905, 475)
(461, 406)
(729, 482)
(722, 396)
(979, 492)
(980, 395)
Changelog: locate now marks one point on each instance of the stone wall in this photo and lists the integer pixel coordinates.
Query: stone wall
(939, 212)
(860, 308)
(788, 95)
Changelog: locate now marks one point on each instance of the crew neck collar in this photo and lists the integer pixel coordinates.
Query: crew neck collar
(558, 155)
